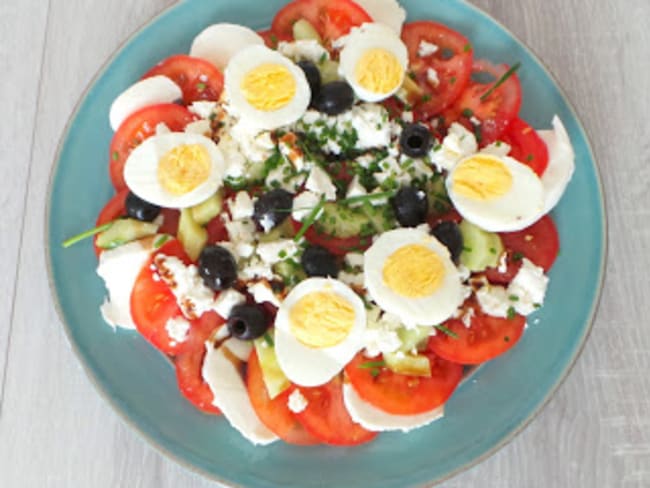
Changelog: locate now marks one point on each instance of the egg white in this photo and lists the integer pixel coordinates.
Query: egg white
(520, 207)
(561, 164)
(306, 366)
(429, 310)
(387, 12)
(141, 170)
(244, 62)
(357, 43)
(220, 42)
(150, 91)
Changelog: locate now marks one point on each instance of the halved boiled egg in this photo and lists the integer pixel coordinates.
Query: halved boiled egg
(220, 42)
(175, 170)
(318, 330)
(409, 273)
(498, 194)
(387, 12)
(265, 89)
(374, 61)
(561, 164)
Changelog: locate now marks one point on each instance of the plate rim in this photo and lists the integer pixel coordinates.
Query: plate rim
(150, 438)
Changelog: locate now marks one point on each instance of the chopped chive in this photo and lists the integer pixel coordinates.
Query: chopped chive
(467, 48)
(530, 157)
(116, 155)
(447, 331)
(274, 39)
(85, 235)
(511, 313)
(467, 249)
(517, 256)
(537, 305)
(506, 338)
(452, 80)
(412, 75)
(374, 373)
(158, 243)
(468, 112)
(201, 87)
(493, 250)
(311, 218)
(323, 58)
(501, 81)
(268, 339)
(513, 298)
(372, 364)
(426, 98)
(367, 198)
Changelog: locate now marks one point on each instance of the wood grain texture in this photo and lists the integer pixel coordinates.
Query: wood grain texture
(55, 431)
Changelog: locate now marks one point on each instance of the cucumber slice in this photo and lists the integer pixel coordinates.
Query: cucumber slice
(192, 235)
(329, 71)
(275, 380)
(283, 231)
(343, 222)
(304, 31)
(124, 231)
(437, 196)
(381, 217)
(413, 338)
(290, 271)
(406, 364)
(481, 249)
(206, 211)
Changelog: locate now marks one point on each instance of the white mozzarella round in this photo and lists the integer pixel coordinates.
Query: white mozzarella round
(431, 309)
(141, 170)
(150, 91)
(387, 12)
(310, 366)
(374, 419)
(249, 60)
(521, 206)
(561, 164)
(220, 42)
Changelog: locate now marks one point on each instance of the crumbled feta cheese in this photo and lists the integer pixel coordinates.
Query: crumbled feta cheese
(355, 188)
(241, 231)
(235, 160)
(371, 122)
(381, 335)
(320, 183)
(432, 77)
(304, 204)
(426, 228)
(475, 122)
(256, 269)
(276, 251)
(467, 317)
(503, 263)
(458, 144)
(289, 149)
(499, 149)
(352, 279)
(241, 207)
(304, 49)
(378, 202)
(203, 109)
(201, 127)
(226, 301)
(407, 117)
(529, 286)
(427, 49)
(177, 328)
(297, 402)
(254, 145)
(464, 273)
(494, 300)
(284, 177)
(354, 259)
(262, 292)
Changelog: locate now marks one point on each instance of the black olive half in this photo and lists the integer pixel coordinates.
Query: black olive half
(248, 322)
(334, 98)
(313, 77)
(410, 205)
(217, 267)
(272, 208)
(138, 209)
(448, 233)
(318, 261)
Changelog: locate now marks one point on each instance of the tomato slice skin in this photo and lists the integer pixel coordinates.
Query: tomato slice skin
(452, 63)
(331, 19)
(494, 112)
(496, 277)
(198, 79)
(275, 413)
(189, 361)
(153, 303)
(115, 208)
(327, 419)
(140, 126)
(401, 394)
(486, 338)
(540, 242)
(527, 147)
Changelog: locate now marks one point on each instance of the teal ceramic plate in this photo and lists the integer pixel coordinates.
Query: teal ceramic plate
(480, 417)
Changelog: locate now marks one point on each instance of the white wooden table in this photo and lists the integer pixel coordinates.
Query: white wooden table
(56, 431)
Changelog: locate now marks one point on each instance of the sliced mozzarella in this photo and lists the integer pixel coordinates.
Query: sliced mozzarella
(387, 12)
(119, 268)
(150, 91)
(220, 42)
(231, 396)
(372, 418)
(561, 164)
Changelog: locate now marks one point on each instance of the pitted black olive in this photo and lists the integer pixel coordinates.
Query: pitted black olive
(410, 205)
(272, 208)
(138, 209)
(334, 98)
(217, 267)
(416, 140)
(248, 322)
(318, 261)
(448, 233)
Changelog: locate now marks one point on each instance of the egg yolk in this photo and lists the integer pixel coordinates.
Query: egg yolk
(413, 271)
(482, 178)
(269, 87)
(321, 319)
(184, 168)
(379, 71)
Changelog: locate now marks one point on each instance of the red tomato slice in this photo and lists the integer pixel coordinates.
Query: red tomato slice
(199, 79)
(189, 362)
(153, 303)
(327, 419)
(331, 19)
(171, 217)
(336, 245)
(495, 112)
(540, 243)
(217, 231)
(140, 126)
(115, 208)
(452, 64)
(497, 277)
(275, 414)
(486, 338)
(527, 146)
(402, 394)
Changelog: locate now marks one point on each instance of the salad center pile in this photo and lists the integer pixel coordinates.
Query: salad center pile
(324, 224)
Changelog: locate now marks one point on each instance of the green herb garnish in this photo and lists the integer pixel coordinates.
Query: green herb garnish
(447, 331)
(501, 81)
(511, 313)
(468, 112)
(517, 256)
(201, 87)
(309, 221)
(160, 242)
(268, 339)
(372, 364)
(85, 235)
(513, 298)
